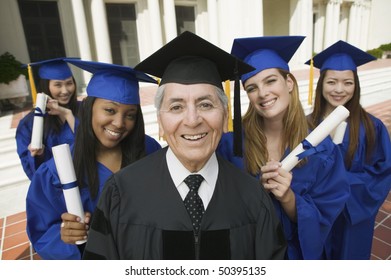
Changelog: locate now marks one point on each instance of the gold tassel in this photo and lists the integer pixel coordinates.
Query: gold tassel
(311, 82)
(32, 84)
(228, 93)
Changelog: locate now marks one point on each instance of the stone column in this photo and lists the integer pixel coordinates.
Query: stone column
(169, 19)
(301, 24)
(156, 30)
(332, 22)
(82, 34)
(353, 24)
(101, 31)
(365, 22)
(213, 21)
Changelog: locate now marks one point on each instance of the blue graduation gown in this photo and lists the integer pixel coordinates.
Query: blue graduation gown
(370, 183)
(45, 204)
(23, 139)
(321, 190)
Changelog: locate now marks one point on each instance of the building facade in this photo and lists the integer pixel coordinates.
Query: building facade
(127, 31)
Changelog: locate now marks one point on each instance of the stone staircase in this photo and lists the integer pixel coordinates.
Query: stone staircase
(13, 181)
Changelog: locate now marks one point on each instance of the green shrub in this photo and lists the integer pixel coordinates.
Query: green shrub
(385, 47)
(376, 52)
(10, 68)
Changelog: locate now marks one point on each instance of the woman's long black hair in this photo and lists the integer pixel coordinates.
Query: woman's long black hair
(86, 145)
(53, 124)
(357, 116)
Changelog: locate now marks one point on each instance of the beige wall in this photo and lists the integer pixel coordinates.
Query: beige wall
(380, 22)
(276, 17)
(11, 31)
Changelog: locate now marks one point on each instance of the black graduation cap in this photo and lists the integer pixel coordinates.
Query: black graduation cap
(190, 59)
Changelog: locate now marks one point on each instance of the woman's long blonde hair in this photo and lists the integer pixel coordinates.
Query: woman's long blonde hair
(295, 130)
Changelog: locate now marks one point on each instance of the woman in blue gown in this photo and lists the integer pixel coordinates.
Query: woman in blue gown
(56, 81)
(365, 147)
(110, 136)
(310, 197)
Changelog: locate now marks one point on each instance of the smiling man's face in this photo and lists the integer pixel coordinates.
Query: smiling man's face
(192, 119)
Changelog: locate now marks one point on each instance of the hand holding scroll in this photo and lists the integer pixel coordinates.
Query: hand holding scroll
(39, 113)
(315, 137)
(66, 172)
(72, 230)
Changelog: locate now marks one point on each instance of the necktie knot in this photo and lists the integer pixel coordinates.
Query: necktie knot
(194, 181)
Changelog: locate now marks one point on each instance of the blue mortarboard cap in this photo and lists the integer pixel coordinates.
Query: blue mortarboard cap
(53, 69)
(341, 56)
(266, 52)
(113, 82)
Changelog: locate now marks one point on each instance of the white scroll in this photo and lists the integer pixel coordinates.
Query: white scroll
(40, 109)
(66, 172)
(339, 133)
(317, 135)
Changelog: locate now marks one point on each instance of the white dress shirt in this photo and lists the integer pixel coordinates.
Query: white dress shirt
(179, 173)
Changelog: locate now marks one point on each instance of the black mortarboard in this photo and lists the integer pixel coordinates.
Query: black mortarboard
(190, 59)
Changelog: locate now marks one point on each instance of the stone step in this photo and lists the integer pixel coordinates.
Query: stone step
(13, 197)
(380, 105)
(9, 163)
(13, 181)
(7, 139)
(10, 170)
(9, 133)
(8, 151)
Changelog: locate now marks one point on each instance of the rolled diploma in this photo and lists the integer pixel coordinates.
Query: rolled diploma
(64, 164)
(339, 133)
(317, 135)
(40, 108)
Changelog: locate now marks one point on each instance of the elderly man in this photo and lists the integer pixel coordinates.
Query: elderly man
(185, 202)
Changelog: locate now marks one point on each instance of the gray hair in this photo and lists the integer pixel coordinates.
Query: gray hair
(160, 94)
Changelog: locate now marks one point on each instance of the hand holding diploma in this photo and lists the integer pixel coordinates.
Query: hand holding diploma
(40, 110)
(72, 230)
(66, 172)
(339, 133)
(315, 137)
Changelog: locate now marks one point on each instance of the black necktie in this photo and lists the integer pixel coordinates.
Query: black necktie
(193, 201)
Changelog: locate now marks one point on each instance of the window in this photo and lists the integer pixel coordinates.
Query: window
(185, 19)
(42, 28)
(121, 19)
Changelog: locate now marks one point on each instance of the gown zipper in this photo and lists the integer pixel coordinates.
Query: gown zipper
(196, 246)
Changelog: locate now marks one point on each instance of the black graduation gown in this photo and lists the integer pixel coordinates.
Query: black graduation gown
(141, 215)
